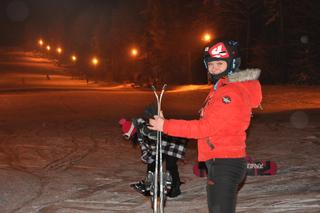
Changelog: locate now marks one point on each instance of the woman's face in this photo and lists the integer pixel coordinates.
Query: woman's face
(217, 67)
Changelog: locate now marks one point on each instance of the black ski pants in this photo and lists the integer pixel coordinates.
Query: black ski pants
(224, 177)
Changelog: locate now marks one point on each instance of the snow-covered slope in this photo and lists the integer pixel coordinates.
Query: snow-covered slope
(62, 151)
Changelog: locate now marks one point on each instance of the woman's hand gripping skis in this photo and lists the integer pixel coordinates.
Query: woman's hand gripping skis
(158, 206)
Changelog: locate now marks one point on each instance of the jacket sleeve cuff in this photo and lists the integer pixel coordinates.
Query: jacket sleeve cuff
(166, 126)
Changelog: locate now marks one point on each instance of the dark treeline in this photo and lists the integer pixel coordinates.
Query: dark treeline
(278, 36)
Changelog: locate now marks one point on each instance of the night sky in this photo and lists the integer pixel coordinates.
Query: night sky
(20, 19)
(278, 36)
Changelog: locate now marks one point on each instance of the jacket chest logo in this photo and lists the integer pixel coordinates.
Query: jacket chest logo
(226, 99)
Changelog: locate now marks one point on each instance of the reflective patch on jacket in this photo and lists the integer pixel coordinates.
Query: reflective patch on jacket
(226, 99)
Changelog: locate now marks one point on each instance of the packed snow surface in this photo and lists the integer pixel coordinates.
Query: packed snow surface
(61, 149)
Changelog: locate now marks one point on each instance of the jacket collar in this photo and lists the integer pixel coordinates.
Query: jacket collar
(220, 83)
(240, 76)
(245, 75)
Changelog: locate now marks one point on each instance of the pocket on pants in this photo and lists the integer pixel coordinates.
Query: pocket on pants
(210, 166)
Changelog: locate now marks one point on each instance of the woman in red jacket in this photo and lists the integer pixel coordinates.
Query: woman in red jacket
(221, 128)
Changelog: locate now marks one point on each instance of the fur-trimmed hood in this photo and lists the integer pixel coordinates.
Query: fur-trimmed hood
(245, 75)
(248, 81)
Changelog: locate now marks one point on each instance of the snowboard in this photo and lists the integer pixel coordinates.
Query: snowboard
(261, 167)
(254, 168)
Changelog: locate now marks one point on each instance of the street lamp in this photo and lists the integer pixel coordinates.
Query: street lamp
(40, 42)
(206, 37)
(74, 58)
(48, 47)
(134, 52)
(59, 50)
(95, 61)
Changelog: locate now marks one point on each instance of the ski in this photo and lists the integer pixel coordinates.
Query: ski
(158, 206)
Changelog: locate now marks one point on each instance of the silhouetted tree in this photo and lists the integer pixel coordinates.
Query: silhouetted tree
(291, 29)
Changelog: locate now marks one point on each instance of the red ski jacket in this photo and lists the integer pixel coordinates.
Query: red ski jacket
(224, 118)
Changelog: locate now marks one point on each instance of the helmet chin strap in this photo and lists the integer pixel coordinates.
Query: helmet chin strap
(215, 78)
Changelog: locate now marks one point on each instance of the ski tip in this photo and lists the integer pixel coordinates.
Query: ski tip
(155, 89)
(164, 86)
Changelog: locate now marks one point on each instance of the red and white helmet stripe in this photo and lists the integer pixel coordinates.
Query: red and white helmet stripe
(218, 51)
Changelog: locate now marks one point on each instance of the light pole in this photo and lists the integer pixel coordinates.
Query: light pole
(48, 49)
(73, 59)
(134, 52)
(95, 62)
(206, 38)
(40, 44)
(59, 52)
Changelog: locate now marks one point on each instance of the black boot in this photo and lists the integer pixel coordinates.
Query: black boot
(172, 167)
(175, 191)
(141, 188)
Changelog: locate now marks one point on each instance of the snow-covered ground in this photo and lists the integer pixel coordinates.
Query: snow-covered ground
(61, 151)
